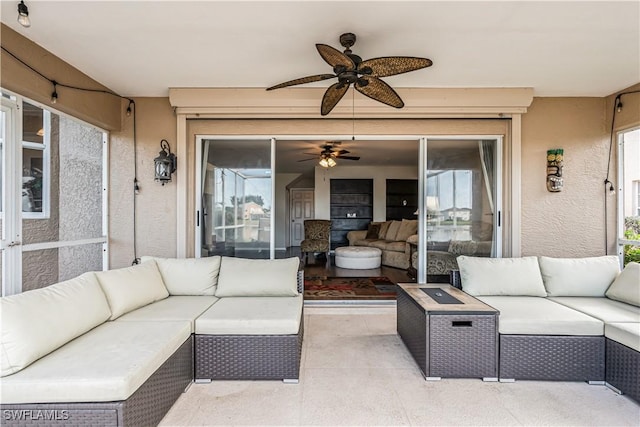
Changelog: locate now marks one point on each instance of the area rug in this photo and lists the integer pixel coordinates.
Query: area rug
(349, 288)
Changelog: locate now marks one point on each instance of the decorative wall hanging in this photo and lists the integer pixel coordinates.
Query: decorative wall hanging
(555, 159)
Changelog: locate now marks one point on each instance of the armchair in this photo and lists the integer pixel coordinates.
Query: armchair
(316, 237)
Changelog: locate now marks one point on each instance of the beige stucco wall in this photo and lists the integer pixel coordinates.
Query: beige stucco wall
(155, 203)
(569, 223)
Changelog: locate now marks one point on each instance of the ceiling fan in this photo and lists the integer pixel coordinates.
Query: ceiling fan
(329, 154)
(349, 68)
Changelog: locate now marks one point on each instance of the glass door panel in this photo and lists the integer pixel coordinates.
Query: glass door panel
(236, 198)
(462, 201)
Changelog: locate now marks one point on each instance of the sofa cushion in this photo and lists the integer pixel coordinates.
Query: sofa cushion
(540, 316)
(625, 333)
(578, 277)
(501, 276)
(384, 227)
(392, 231)
(184, 308)
(408, 227)
(132, 287)
(626, 287)
(35, 323)
(188, 276)
(107, 364)
(252, 316)
(241, 277)
(601, 308)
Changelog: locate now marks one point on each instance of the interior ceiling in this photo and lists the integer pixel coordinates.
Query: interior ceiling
(142, 48)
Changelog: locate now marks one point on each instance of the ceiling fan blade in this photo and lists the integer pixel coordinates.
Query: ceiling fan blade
(378, 90)
(341, 152)
(392, 65)
(334, 57)
(306, 160)
(303, 80)
(332, 96)
(348, 157)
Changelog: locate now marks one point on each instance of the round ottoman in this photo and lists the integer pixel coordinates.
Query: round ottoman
(358, 257)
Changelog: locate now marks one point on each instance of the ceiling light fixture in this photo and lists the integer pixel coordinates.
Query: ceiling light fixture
(327, 162)
(23, 14)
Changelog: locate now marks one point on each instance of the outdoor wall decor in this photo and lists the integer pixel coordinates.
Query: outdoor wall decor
(555, 159)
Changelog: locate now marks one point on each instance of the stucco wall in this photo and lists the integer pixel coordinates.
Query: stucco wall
(155, 204)
(569, 223)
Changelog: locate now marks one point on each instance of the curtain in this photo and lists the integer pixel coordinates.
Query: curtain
(487, 160)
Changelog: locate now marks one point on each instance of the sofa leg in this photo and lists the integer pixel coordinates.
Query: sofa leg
(290, 381)
(612, 388)
(596, 382)
(186, 389)
(202, 380)
(507, 380)
(490, 379)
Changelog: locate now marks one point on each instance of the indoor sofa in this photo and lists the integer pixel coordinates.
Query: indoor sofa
(390, 237)
(118, 347)
(561, 318)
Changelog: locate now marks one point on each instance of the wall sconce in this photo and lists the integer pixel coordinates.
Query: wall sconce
(555, 159)
(166, 163)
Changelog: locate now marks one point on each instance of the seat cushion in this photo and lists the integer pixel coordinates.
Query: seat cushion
(252, 316)
(625, 333)
(540, 316)
(241, 277)
(626, 287)
(601, 308)
(107, 364)
(188, 276)
(501, 276)
(177, 308)
(132, 287)
(35, 323)
(579, 277)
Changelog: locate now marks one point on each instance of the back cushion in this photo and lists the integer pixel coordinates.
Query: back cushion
(384, 227)
(241, 277)
(132, 287)
(392, 231)
(501, 276)
(188, 276)
(579, 277)
(35, 323)
(626, 287)
(408, 227)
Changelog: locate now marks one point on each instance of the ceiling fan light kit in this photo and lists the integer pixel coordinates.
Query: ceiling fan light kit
(350, 69)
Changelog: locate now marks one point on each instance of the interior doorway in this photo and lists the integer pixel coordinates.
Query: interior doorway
(301, 208)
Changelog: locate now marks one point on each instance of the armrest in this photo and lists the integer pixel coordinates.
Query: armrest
(354, 235)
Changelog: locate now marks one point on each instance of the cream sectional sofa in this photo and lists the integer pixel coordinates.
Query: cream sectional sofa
(562, 318)
(391, 238)
(118, 347)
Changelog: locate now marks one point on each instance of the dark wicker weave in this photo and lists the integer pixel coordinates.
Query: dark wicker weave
(145, 407)
(623, 369)
(454, 279)
(555, 358)
(301, 281)
(442, 350)
(248, 357)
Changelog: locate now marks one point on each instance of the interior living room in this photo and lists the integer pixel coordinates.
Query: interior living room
(355, 212)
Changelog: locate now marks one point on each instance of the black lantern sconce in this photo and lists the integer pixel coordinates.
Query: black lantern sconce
(166, 163)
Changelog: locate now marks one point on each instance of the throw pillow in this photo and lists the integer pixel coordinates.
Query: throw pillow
(384, 227)
(373, 231)
(579, 277)
(188, 276)
(408, 227)
(626, 287)
(501, 276)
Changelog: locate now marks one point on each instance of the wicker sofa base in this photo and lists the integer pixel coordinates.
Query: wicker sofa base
(554, 358)
(248, 357)
(623, 369)
(146, 407)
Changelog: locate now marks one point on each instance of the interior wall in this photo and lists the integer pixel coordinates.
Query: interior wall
(569, 223)
(281, 208)
(155, 204)
(99, 109)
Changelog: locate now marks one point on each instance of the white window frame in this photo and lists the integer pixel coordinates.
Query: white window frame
(621, 240)
(45, 147)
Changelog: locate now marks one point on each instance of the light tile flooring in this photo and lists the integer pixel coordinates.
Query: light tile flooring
(356, 371)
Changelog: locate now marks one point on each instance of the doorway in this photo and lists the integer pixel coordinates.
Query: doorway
(301, 208)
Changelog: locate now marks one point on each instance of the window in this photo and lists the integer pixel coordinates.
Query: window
(35, 161)
(629, 198)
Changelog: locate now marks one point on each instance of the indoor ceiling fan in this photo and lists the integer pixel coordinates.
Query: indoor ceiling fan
(349, 68)
(329, 154)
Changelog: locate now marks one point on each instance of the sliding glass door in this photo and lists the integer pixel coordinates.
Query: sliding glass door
(461, 201)
(236, 198)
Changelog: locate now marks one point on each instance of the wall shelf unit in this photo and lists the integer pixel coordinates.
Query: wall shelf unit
(351, 207)
(402, 199)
